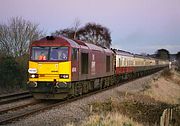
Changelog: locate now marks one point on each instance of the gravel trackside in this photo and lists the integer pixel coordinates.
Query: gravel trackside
(79, 110)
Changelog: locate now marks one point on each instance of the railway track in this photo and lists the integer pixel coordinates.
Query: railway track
(16, 107)
(16, 113)
(7, 98)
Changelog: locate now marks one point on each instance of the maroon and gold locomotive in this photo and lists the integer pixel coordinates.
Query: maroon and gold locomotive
(70, 67)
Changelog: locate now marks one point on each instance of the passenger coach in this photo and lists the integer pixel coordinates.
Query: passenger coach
(129, 65)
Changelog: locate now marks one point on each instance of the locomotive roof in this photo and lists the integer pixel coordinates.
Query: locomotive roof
(55, 41)
(63, 41)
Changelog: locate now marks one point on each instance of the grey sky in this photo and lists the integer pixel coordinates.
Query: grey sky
(136, 25)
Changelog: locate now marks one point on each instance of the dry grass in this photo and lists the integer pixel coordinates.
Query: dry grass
(133, 110)
(166, 89)
(171, 75)
(110, 119)
(176, 77)
(130, 112)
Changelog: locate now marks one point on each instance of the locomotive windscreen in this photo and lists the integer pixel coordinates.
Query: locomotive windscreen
(49, 53)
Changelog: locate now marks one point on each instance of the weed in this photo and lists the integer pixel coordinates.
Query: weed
(147, 87)
(167, 74)
(110, 119)
(127, 124)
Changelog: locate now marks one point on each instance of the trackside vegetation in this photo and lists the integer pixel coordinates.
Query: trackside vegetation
(15, 37)
(12, 73)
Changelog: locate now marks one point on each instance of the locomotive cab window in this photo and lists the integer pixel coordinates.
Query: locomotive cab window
(59, 53)
(49, 53)
(39, 53)
(84, 63)
(107, 63)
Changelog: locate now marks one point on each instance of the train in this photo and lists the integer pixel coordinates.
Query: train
(61, 68)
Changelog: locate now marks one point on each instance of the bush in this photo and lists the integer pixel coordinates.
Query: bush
(178, 69)
(23, 64)
(11, 73)
(167, 73)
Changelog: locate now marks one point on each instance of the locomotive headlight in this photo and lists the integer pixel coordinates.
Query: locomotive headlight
(32, 70)
(64, 76)
(33, 75)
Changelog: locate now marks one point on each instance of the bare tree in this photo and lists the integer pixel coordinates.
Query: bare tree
(16, 36)
(69, 32)
(77, 23)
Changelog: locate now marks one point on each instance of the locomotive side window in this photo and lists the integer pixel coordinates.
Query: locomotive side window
(107, 63)
(74, 54)
(84, 63)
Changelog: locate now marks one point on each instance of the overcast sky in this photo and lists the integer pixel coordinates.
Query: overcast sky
(136, 25)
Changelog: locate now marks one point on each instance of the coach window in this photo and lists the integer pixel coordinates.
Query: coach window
(125, 62)
(107, 63)
(131, 62)
(74, 54)
(121, 62)
(84, 63)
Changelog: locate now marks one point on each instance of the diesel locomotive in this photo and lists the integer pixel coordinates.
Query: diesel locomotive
(60, 67)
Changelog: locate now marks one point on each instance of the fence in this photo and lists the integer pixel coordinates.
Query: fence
(170, 117)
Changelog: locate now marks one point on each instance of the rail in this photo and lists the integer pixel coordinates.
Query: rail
(7, 98)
